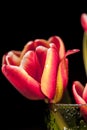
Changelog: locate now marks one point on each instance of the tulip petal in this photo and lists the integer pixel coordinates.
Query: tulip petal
(60, 45)
(69, 52)
(62, 80)
(24, 83)
(13, 58)
(27, 47)
(41, 42)
(63, 70)
(41, 54)
(17, 53)
(78, 89)
(4, 59)
(48, 80)
(31, 65)
(85, 93)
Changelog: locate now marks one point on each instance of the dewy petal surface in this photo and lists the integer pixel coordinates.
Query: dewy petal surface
(24, 83)
(48, 80)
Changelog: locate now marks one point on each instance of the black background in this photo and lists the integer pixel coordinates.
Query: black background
(21, 22)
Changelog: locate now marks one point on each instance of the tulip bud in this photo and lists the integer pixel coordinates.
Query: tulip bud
(84, 25)
(84, 21)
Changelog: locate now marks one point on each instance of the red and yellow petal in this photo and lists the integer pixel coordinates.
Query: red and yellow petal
(48, 80)
(23, 82)
(69, 52)
(64, 72)
(60, 45)
(41, 42)
(62, 80)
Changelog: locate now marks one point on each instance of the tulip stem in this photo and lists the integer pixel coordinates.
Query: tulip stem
(59, 120)
(85, 51)
(55, 119)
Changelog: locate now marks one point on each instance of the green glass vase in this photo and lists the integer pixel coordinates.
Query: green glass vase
(65, 117)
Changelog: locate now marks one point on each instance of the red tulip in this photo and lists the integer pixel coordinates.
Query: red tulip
(80, 95)
(84, 21)
(40, 70)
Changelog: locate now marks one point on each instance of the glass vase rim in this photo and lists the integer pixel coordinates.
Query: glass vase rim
(72, 105)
